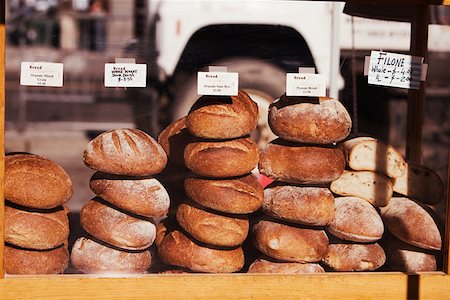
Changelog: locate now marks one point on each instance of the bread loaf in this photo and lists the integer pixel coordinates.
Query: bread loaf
(373, 187)
(115, 227)
(355, 257)
(242, 195)
(91, 257)
(411, 223)
(266, 266)
(355, 220)
(319, 120)
(125, 152)
(288, 243)
(211, 228)
(35, 181)
(369, 154)
(36, 230)
(301, 164)
(141, 196)
(223, 117)
(222, 159)
(31, 262)
(304, 205)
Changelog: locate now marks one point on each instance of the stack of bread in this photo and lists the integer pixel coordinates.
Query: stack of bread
(120, 220)
(36, 221)
(221, 192)
(298, 204)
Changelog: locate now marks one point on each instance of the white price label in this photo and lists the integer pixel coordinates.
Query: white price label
(304, 84)
(125, 75)
(217, 83)
(41, 74)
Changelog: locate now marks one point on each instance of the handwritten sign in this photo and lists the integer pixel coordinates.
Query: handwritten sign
(217, 83)
(395, 70)
(305, 84)
(41, 74)
(125, 75)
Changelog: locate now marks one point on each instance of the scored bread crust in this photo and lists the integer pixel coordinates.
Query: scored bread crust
(355, 257)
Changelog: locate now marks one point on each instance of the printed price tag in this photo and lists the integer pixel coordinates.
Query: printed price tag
(217, 83)
(305, 84)
(41, 74)
(125, 75)
(396, 70)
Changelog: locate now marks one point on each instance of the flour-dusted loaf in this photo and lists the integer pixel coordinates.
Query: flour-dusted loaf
(420, 183)
(223, 117)
(304, 205)
(289, 243)
(220, 159)
(35, 181)
(241, 195)
(373, 187)
(355, 257)
(142, 196)
(115, 227)
(369, 154)
(90, 257)
(355, 220)
(129, 152)
(262, 265)
(411, 223)
(320, 120)
(290, 162)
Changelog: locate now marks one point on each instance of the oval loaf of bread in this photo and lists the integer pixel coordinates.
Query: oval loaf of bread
(355, 257)
(266, 266)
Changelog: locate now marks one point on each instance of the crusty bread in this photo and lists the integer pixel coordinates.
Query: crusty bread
(211, 228)
(288, 243)
(36, 230)
(223, 117)
(411, 223)
(369, 154)
(242, 195)
(31, 262)
(35, 181)
(115, 227)
(355, 220)
(142, 196)
(373, 187)
(129, 152)
(301, 164)
(420, 183)
(319, 120)
(221, 159)
(304, 205)
(91, 257)
(355, 257)
(262, 265)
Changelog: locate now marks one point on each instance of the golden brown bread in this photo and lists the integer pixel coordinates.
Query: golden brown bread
(262, 265)
(129, 152)
(223, 117)
(320, 120)
(35, 181)
(355, 257)
(242, 195)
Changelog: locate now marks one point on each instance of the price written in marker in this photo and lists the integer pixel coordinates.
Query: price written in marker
(125, 75)
(217, 83)
(41, 74)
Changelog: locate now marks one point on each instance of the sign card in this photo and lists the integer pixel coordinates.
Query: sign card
(305, 84)
(217, 83)
(125, 75)
(41, 74)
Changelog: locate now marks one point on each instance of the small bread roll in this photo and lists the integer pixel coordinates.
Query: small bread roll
(266, 266)
(355, 257)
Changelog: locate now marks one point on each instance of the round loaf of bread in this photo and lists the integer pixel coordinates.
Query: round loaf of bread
(223, 117)
(36, 230)
(355, 220)
(301, 164)
(90, 257)
(141, 196)
(220, 159)
(355, 257)
(212, 229)
(288, 243)
(115, 227)
(242, 195)
(304, 205)
(35, 181)
(266, 266)
(319, 120)
(178, 250)
(129, 152)
(411, 223)
(31, 262)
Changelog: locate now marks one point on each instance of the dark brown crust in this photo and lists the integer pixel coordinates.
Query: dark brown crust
(266, 266)
(355, 257)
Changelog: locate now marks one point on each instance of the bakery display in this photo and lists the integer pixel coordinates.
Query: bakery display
(355, 257)
(262, 265)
